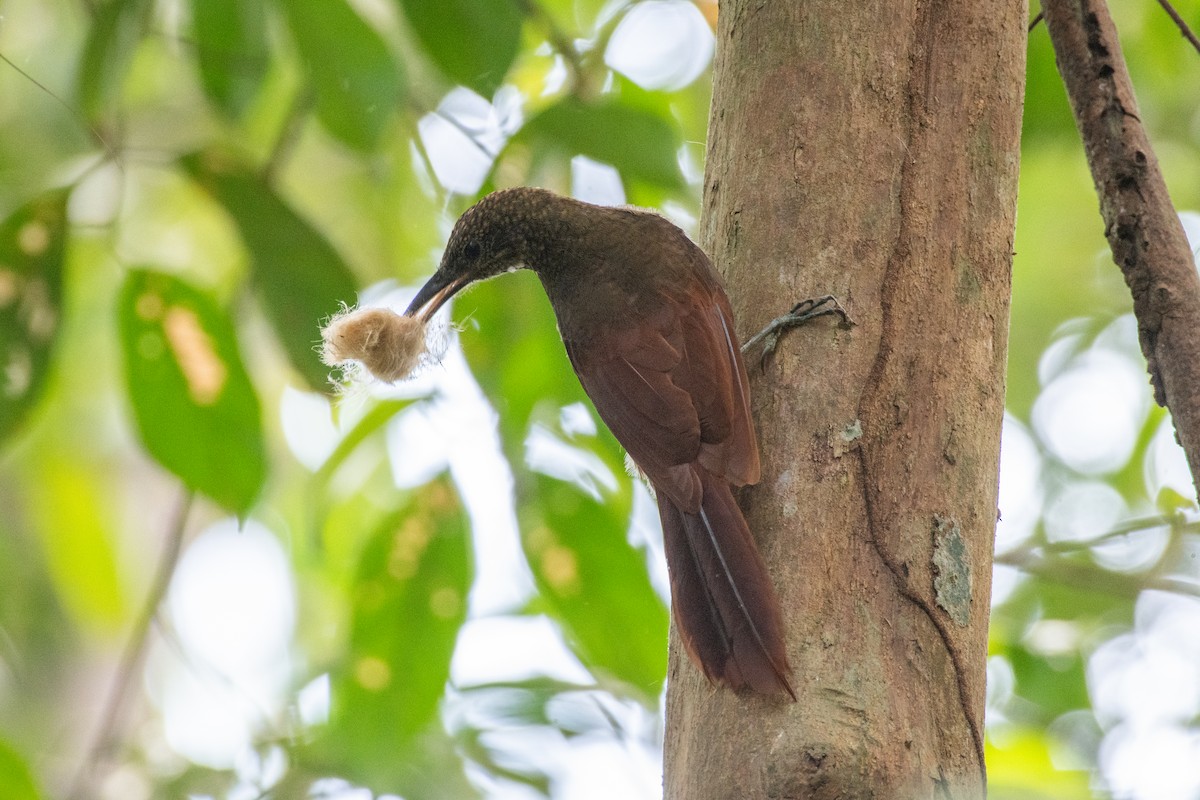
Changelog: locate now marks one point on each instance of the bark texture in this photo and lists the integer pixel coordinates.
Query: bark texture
(869, 151)
(1143, 230)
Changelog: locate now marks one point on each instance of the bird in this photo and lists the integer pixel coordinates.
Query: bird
(648, 329)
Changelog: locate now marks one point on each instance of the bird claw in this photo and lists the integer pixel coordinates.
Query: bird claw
(801, 313)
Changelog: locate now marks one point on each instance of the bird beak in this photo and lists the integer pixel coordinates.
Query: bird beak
(433, 295)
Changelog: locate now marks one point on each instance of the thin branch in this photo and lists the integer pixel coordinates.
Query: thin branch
(1142, 226)
(559, 41)
(110, 726)
(1093, 578)
(467, 132)
(110, 152)
(424, 109)
(204, 670)
(1183, 26)
(425, 157)
(1033, 23)
(1177, 521)
(289, 134)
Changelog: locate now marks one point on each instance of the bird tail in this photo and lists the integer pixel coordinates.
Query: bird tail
(724, 602)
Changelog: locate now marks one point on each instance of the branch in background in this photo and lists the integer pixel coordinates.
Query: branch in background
(559, 41)
(111, 721)
(111, 153)
(472, 136)
(289, 134)
(1183, 26)
(1033, 23)
(1093, 578)
(1142, 227)
(1176, 521)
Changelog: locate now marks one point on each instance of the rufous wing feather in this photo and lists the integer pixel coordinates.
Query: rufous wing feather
(672, 388)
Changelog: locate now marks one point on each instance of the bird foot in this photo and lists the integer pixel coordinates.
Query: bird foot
(801, 313)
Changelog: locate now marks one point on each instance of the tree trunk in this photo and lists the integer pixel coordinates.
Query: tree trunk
(869, 151)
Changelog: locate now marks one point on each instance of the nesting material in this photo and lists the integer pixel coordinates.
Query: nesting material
(389, 345)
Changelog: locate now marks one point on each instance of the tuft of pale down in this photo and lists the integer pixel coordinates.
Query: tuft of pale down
(389, 345)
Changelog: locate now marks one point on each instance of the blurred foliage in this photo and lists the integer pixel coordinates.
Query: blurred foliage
(18, 783)
(32, 248)
(190, 186)
(183, 374)
(408, 602)
(575, 542)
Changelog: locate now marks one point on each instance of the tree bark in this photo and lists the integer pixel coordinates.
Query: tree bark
(1141, 224)
(869, 151)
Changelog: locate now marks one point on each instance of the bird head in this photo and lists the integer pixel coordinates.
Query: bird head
(491, 238)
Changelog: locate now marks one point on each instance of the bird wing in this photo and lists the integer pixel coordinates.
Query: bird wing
(673, 390)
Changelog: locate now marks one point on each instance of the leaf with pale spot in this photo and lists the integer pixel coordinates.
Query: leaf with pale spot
(32, 247)
(409, 600)
(595, 581)
(196, 411)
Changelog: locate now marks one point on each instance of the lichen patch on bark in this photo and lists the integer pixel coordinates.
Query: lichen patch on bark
(952, 582)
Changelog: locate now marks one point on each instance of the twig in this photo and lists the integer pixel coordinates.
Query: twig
(558, 40)
(425, 157)
(455, 123)
(131, 659)
(1142, 226)
(204, 670)
(1183, 26)
(424, 109)
(110, 152)
(1033, 23)
(1096, 579)
(1177, 521)
(289, 134)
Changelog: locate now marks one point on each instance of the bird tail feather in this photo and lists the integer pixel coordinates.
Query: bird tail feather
(724, 602)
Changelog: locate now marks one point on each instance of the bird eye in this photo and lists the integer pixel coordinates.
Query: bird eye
(471, 250)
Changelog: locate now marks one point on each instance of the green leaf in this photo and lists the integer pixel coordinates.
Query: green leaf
(71, 499)
(641, 144)
(512, 343)
(1055, 684)
(231, 47)
(473, 42)
(357, 81)
(16, 780)
(511, 340)
(112, 40)
(300, 276)
(596, 582)
(409, 600)
(373, 420)
(589, 575)
(32, 247)
(1170, 501)
(578, 18)
(195, 407)
(1022, 768)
